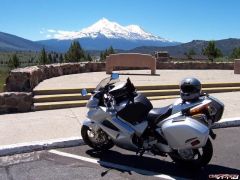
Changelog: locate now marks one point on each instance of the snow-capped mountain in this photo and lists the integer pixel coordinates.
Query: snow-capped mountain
(109, 29)
(103, 34)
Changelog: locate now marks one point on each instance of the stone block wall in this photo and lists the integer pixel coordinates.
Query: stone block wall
(195, 65)
(11, 102)
(25, 79)
(21, 82)
(130, 60)
(237, 66)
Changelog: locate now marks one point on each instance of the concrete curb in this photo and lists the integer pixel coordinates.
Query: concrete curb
(40, 145)
(227, 123)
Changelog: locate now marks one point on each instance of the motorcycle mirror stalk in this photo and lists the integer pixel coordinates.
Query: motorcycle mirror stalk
(84, 92)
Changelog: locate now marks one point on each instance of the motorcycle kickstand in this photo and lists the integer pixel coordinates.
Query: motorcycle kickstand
(140, 152)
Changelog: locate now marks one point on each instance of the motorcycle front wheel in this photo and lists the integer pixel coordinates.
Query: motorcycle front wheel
(98, 140)
(193, 157)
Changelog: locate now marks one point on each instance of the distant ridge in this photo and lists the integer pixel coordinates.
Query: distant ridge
(226, 46)
(9, 42)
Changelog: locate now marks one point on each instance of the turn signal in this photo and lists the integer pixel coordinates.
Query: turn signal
(199, 108)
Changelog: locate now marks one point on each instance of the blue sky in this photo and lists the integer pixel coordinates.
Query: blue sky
(179, 20)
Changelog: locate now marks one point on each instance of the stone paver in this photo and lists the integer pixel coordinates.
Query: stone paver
(139, 77)
(40, 125)
(65, 123)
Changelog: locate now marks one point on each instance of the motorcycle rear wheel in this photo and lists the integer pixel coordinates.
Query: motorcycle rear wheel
(202, 159)
(99, 140)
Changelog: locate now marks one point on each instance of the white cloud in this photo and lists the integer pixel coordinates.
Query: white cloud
(48, 35)
(58, 34)
(51, 30)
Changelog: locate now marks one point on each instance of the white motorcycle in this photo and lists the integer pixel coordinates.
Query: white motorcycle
(119, 115)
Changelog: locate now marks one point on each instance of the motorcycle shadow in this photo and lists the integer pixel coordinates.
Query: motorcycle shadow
(155, 165)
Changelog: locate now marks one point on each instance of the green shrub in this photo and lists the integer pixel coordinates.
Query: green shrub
(3, 76)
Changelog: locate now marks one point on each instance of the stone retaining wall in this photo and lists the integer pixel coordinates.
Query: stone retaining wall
(195, 65)
(25, 79)
(15, 102)
(237, 66)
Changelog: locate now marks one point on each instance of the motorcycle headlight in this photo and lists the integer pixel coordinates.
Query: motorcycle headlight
(92, 102)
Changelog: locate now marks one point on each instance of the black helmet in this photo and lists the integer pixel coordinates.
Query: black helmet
(190, 89)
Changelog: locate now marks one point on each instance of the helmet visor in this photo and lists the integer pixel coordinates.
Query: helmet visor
(189, 89)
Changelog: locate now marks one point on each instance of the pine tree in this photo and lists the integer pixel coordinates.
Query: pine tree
(14, 62)
(50, 59)
(43, 59)
(61, 58)
(102, 56)
(236, 53)
(89, 58)
(65, 58)
(107, 52)
(111, 50)
(75, 52)
(190, 53)
(54, 59)
(212, 51)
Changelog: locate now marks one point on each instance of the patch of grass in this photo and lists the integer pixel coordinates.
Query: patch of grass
(3, 76)
(223, 59)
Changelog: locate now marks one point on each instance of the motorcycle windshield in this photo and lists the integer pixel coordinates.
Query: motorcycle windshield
(105, 82)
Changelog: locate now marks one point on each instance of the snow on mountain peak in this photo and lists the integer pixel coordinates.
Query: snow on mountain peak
(108, 29)
(135, 29)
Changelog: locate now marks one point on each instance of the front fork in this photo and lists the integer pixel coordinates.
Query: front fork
(212, 134)
(87, 122)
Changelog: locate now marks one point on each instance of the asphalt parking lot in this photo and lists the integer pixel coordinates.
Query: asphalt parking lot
(84, 163)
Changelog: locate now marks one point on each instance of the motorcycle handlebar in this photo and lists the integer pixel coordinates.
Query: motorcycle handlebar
(109, 101)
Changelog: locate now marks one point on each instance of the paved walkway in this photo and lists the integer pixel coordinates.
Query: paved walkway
(66, 123)
(139, 77)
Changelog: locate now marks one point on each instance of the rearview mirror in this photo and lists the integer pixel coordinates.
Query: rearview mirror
(114, 76)
(84, 92)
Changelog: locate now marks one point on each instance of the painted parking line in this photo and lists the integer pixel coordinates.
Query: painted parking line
(114, 165)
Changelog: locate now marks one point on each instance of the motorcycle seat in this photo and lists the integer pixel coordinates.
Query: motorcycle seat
(158, 114)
